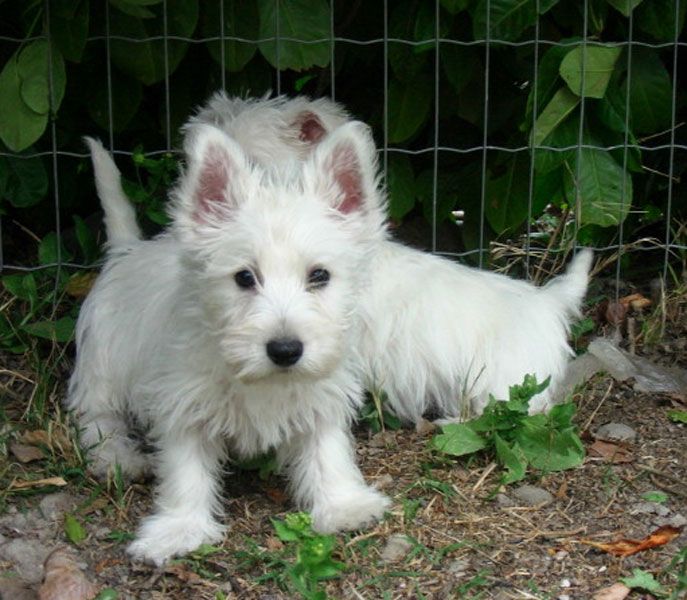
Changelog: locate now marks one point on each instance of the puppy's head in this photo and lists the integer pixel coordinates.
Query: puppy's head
(278, 258)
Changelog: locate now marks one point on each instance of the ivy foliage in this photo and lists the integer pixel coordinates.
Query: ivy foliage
(577, 120)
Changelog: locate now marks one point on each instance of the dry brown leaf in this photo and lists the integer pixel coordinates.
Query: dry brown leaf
(107, 563)
(274, 544)
(661, 536)
(80, 284)
(35, 438)
(616, 312)
(64, 580)
(183, 573)
(618, 591)
(277, 495)
(26, 453)
(635, 301)
(610, 452)
(21, 485)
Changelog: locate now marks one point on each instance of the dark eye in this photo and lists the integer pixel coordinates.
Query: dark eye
(318, 278)
(245, 279)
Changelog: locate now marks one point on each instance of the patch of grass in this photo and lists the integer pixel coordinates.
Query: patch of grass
(545, 442)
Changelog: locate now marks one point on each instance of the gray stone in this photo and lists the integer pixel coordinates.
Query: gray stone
(649, 508)
(505, 501)
(530, 495)
(458, 568)
(12, 588)
(677, 520)
(27, 555)
(54, 506)
(616, 432)
(397, 546)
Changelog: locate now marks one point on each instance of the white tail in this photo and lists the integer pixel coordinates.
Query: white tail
(120, 218)
(569, 289)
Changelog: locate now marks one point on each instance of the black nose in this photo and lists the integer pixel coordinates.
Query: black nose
(284, 352)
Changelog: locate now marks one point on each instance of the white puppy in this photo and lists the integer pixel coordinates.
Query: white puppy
(436, 335)
(233, 330)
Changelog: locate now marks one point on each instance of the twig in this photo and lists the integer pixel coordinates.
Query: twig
(598, 406)
(486, 474)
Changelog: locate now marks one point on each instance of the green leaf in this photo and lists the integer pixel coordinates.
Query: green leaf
(507, 18)
(134, 9)
(512, 458)
(625, 7)
(400, 181)
(458, 63)
(20, 124)
(284, 533)
(547, 79)
(650, 92)
(61, 330)
(555, 112)
(643, 580)
(678, 416)
(47, 251)
(506, 196)
(458, 439)
(24, 180)
(107, 594)
(656, 496)
(127, 94)
(145, 60)
(86, 239)
(599, 189)
(303, 20)
(405, 63)
(599, 62)
(449, 184)
(548, 449)
(241, 20)
(409, 107)
(657, 18)
(454, 6)
(69, 27)
(74, 530)
(22, 286)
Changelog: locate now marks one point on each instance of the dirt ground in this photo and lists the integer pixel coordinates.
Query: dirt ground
(461, 536)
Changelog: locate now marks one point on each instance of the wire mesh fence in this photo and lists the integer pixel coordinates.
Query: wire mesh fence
(550, 123)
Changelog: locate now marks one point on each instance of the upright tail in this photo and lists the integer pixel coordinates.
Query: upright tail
(120, 218)
(569, 289)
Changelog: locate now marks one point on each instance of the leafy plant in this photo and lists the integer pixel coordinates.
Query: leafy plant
(314, 561)
(643, 580)
(546, 442)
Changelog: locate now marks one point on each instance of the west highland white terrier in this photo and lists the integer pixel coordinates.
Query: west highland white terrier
(234, 330)
(435, 335)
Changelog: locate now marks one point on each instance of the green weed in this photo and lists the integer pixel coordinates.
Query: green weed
(545, 442)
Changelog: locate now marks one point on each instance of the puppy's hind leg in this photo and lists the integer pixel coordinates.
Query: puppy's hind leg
(104, 430)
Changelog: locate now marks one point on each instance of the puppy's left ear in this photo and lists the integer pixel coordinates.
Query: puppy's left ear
(345, 170)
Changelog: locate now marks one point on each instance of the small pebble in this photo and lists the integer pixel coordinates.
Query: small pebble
(504, 501)
(397, 546)
(564, 597)
(531, 495)
(649, 508)
(616, 432)
(565, 583)
(560, 555)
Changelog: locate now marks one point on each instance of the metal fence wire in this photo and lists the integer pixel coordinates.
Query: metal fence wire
(63, 154)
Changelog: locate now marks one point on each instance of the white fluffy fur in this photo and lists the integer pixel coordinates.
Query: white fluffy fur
(435, 334)
(167, 337)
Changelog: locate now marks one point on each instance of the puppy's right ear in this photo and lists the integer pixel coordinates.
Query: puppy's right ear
(216, 168)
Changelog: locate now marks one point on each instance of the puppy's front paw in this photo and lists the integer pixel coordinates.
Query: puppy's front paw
(161, 537)
(356, 509)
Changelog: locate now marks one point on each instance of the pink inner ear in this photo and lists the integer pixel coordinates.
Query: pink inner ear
(311, 128)
(211, 197)
(346, 171)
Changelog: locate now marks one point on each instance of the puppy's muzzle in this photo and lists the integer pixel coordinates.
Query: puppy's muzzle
(285, 352)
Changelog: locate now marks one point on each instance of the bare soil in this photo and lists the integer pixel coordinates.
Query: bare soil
(467, 538)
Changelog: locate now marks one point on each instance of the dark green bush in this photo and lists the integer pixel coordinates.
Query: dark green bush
(165, 58)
